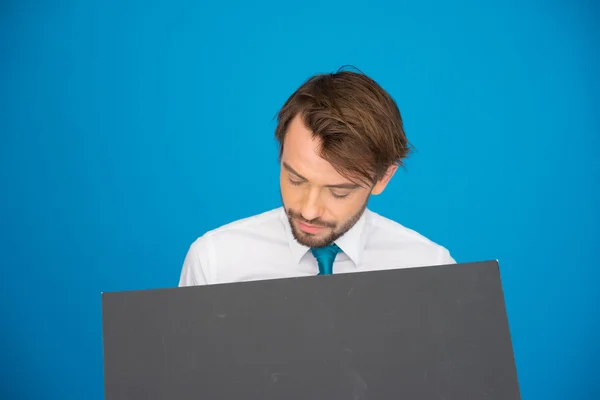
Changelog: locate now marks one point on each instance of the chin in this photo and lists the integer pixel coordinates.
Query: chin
(312, 241)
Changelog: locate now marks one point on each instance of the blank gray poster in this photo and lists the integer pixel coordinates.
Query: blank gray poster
(435, 333)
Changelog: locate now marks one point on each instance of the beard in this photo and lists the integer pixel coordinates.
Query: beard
(314, 241)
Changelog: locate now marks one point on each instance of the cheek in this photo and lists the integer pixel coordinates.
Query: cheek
(289, 194)
(343, 209)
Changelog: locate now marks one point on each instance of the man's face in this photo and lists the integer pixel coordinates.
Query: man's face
(320, 203)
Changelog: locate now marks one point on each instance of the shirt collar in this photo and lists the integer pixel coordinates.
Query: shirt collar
(352, 242)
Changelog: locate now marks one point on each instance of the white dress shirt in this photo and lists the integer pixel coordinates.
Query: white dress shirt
(263, 247)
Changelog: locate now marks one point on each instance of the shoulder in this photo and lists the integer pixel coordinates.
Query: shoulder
(391, 234)
(394, 230)
(243, 231)
(230, 243)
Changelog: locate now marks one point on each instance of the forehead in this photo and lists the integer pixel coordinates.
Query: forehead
(301, 152)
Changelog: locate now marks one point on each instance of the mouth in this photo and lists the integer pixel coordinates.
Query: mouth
(310, 229)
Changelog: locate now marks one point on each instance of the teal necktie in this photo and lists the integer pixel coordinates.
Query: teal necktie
(325, 257)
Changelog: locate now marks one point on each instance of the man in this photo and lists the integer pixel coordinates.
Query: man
(341, 140)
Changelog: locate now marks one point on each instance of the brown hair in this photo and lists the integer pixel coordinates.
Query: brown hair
(358, 122)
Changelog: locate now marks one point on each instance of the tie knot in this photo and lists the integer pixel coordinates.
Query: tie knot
(325, 257)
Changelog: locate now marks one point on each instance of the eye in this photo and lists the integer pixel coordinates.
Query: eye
(294, 182)
(339, 196)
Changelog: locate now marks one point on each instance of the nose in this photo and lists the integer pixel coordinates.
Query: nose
(312, 207)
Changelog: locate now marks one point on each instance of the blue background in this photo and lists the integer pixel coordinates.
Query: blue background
(128, 129)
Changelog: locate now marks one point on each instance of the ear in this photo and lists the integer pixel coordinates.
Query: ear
(382, 183)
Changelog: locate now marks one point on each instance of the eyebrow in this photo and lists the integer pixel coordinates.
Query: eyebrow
(339, 186)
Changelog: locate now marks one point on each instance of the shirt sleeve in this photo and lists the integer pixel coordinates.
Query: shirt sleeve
(196, 264)
(445, 258)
